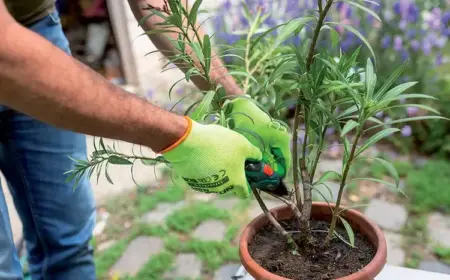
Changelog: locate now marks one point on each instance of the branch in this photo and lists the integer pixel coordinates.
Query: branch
(274, 221)
(291, 205)
(341, 188)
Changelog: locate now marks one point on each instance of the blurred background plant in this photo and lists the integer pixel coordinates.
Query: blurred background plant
(412, 30)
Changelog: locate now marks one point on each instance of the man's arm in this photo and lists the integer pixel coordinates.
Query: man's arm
(40, 80)
(218, 71)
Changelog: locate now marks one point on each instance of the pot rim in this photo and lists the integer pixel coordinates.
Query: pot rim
(370, 270)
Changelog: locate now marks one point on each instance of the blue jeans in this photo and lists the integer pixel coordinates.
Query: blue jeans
(58, 220)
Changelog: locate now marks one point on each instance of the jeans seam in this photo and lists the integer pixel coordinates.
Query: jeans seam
(21, 172)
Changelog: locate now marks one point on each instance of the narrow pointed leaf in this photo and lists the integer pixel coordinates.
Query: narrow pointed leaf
(293, 27)
(349, 230)
(353, 207)
(342, 239)
(107, 175)
(421, 118)
(388, 184)
(198, 51)
(358, 34)
(391, 80)
(204, 106)
(242, 73)
(415, 95)
(420, 106)
(364, 8)
(118, 160)
(393, 93)
(349, 126)
(389, 166)
(375, 138)
(371, 79)
(327, 176)
(194, 12)
(207, 52)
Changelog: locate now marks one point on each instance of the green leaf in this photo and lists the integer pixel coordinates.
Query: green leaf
(107, 175)
(358, 34)
(293, 26)
(193, 12)
(421, 118)
(392, 186)
(189, 73)
(335, 37)
(375, 138)
(353, 207)
(342, 238)
(391, 80)
(153, 161)
(173, 4)
(204, 107)
(326, 176)
(423, 107)
(362, 7)
(118, 160)
(262, 36)
(189, 109)
(207, 52)
(390, 167)
(197, 50)
(350, 233)
(242, 73)
(348, 111)
(349, 126)
(371, 79)
(415, 95)
(102, 145)
(393, 93)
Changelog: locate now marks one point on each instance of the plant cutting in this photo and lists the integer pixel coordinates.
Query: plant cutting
(302, 240)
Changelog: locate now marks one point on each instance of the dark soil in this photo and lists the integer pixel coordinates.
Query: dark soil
(313, 261)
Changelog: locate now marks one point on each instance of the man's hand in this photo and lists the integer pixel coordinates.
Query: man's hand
(211, 159)
(264, 132)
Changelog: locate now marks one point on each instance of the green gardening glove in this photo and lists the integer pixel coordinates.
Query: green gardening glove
(211, 159)
(264, 132)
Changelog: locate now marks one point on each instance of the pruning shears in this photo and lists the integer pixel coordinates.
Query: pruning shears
(261, 176)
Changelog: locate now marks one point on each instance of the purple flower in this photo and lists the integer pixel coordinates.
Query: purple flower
(415, 45)
(398, 43)
(426, 46)
(439, 59)
(406, 131)
(379, 114)
(412, 111)
(387, 120)
(330, 131)
(446, 18)
(440, 42)
(386, 41)
(411, 33)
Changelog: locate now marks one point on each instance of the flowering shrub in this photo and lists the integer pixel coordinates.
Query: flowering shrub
(413, 30)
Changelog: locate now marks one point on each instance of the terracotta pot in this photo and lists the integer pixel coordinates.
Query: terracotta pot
(320, 211)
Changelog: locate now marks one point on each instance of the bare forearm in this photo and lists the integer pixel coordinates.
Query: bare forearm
(40, 80)
(218, 73)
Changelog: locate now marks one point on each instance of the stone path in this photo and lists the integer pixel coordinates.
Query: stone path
(210, 230)
(138, 253)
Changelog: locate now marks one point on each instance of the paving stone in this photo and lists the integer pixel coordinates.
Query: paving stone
(226, 204)
(227, 271)
(105, 245)
(255, 210)
(161, 212)
(434, 266)
(203, 196)
(387, 215)
(395, 253)
(138, 253)
(210, 230)
(439, 229)
(186, 266)
(332, 186)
